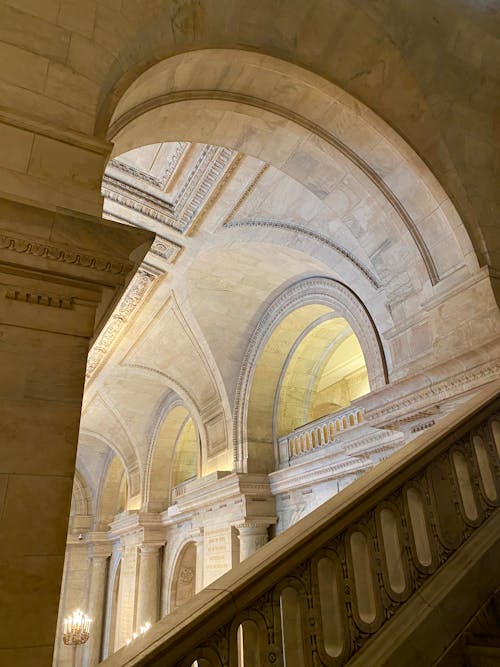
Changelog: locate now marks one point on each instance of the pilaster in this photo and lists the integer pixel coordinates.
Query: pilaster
(60, 276)
(99, 553)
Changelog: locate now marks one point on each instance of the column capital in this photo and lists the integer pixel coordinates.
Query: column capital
(150, 548)
(254, 526)
(99, 546)
(252, 535)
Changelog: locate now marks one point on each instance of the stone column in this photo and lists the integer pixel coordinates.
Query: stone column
(60, 276)
(252, 536)
(99, 554)
(148, 602)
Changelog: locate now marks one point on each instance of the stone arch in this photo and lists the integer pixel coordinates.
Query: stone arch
(90, 441)
(110, 492)
(158, 478)
(313, 356)
(81, 499)
(183, 582)
(258, 114)
(186, 455)
(82, 509)
(314, 291)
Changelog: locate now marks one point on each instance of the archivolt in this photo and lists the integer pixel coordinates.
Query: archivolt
(316, 290)
(225, 82)
(314, 128)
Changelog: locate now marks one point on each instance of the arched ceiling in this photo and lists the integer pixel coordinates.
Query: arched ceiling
(254, 173)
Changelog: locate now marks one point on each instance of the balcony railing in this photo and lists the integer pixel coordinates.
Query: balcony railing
(318, 433)
(320, 591)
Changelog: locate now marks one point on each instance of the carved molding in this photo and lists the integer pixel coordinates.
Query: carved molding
(64, 255)
(241, 98)
(316, 236)
(246, 193)
(159, 182)
(63, 302)
(166, 249)
(180, 213)
(310, 290)
(399, 409)
(217, 191)
(135, 293)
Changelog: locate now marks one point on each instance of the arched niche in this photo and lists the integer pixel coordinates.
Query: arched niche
(81, 499)
(311, 311)
(174, 455)
(186, 458)
(113, 495)
(183, 583)
(82, 505)
(285, 115)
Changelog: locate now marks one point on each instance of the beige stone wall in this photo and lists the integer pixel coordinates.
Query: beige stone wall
(361, 147)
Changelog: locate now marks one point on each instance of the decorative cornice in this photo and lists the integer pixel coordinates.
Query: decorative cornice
(216, 192)
(65, 255)
(181, 213)
(40, 299)
(396, 410)
(158, 182)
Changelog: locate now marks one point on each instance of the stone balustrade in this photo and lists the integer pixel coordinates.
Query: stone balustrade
(181, 489)
(318, 433)
(319, 592)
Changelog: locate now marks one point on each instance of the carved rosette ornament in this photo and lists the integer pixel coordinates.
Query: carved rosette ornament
(186, 575)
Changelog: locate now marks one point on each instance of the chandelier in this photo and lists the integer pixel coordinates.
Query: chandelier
(76, 630)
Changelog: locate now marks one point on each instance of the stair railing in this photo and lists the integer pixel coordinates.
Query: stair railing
(319, 591)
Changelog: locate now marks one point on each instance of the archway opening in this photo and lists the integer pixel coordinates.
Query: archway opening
(312, 365)
(186, 454)
(323, 372)
(114, 494)
(176, 456)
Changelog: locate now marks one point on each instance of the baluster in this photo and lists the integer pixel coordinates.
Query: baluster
(392, 550)
(332, 619)
(465, 486)
(363, 578)
(483, 461)
(495, 429)
(419, 527)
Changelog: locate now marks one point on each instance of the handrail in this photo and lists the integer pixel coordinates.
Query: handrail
(322, 588)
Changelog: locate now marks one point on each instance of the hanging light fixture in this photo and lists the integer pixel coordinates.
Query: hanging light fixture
(76, 631)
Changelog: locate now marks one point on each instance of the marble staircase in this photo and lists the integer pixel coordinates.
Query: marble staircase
(387, 573)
